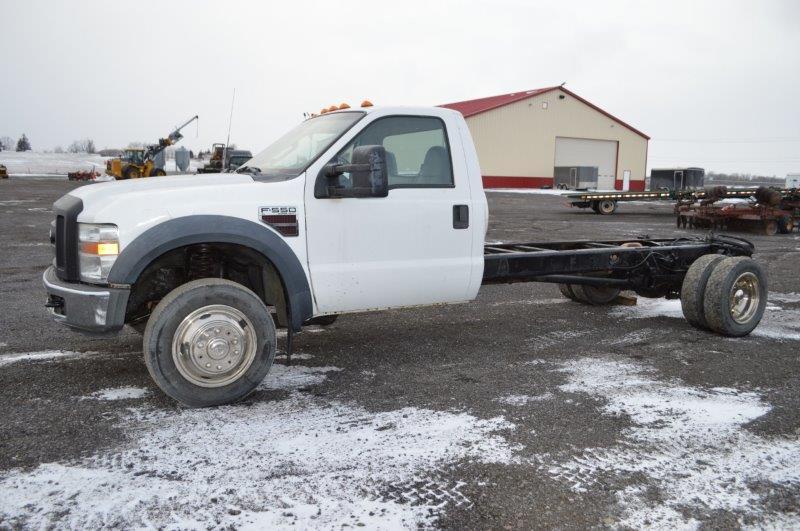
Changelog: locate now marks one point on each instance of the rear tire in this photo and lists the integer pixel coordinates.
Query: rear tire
(595, 295)
(736, 296)
(771, 227)
(693, 289)
(209, 342)
(566, 291)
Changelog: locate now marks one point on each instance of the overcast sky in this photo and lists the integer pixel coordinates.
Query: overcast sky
(715, 84)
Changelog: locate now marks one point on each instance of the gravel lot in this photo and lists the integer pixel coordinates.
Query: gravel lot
(520, 410)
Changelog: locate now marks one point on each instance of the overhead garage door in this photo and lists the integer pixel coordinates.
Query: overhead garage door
(582, 152)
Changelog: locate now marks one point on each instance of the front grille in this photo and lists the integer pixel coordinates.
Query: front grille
(66, 210)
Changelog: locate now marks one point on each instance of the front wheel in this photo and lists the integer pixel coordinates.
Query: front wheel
(209, 342)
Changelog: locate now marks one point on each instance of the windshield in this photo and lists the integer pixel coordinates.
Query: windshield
(290, 155)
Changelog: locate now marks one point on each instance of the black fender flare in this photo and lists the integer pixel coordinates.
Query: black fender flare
(188, 230)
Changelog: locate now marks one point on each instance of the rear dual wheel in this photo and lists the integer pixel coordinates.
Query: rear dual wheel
(726, 295)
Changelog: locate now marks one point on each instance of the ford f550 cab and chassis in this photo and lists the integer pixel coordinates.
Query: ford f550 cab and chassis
(351, 211)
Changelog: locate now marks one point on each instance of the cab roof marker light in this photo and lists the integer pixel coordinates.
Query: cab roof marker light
(366, 103)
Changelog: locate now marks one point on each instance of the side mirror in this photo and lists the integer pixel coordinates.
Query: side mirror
(368, 175)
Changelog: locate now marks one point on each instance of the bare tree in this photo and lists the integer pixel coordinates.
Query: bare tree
(6, 143)
(82, 146)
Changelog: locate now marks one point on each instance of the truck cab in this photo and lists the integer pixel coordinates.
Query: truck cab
(351, 211)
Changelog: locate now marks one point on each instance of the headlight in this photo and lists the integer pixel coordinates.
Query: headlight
(98, 248)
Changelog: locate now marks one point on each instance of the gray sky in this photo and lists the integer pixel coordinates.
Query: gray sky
(715, 84)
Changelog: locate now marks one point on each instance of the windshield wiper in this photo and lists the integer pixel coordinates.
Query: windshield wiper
(249, 169)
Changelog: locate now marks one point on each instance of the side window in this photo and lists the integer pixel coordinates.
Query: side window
(417, 152)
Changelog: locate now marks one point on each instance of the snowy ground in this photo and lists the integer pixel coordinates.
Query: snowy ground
(520, 410)
(296, 460)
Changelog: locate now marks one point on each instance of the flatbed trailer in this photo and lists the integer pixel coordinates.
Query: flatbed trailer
(605, 203)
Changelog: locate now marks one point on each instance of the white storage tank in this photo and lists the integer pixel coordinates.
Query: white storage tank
(182, 159)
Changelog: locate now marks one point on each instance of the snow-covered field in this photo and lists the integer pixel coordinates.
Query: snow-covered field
(34, 163)
(31, 163)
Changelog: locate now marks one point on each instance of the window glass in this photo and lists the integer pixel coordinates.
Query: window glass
(417, 153)
(290, 155)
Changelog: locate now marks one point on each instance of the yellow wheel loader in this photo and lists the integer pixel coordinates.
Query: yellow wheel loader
(140, 162)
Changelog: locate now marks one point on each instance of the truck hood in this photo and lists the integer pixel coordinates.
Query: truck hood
(187, 184)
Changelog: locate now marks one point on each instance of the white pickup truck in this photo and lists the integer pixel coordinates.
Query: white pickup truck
(351, 211)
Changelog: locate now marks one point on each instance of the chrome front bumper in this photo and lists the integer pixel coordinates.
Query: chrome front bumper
(89, 308)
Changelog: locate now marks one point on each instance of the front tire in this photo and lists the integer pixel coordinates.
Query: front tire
(209, 342)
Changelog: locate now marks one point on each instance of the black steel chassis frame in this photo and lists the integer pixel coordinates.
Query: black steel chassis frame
(651, 267)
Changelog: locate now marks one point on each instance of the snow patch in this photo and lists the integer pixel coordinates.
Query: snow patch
(45, 355)
(784, 297)
(647, 308)
(294, 376)
(304, 461)
(119, 393)
(687, 442)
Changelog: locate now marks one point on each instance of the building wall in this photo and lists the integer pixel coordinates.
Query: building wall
(516, 142)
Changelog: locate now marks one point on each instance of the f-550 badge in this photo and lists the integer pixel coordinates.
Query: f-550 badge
(279, 210)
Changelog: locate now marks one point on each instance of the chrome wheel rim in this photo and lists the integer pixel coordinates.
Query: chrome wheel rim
(744, 298)
(214, 346)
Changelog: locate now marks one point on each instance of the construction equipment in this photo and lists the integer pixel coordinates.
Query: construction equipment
(224, 159)
(139, 162)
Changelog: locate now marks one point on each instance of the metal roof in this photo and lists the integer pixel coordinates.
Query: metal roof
(472, 107)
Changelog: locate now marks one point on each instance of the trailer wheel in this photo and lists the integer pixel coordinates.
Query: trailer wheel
(566, 291)
(595, 295)
(606, 207)
(771, 227)
(693, 289)
(735, 297)
(209, 342)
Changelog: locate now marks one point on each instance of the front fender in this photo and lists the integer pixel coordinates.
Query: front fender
(189, 230)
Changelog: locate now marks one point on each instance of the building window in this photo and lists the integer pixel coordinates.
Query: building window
(544, 105)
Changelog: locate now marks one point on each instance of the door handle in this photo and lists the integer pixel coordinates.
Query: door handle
(460, 216)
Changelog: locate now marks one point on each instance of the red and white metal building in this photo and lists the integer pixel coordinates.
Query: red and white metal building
(525, 139)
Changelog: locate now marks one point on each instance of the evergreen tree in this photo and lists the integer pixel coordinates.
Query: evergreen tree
(23, 144)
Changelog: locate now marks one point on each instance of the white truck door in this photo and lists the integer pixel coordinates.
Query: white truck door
(410, 248)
